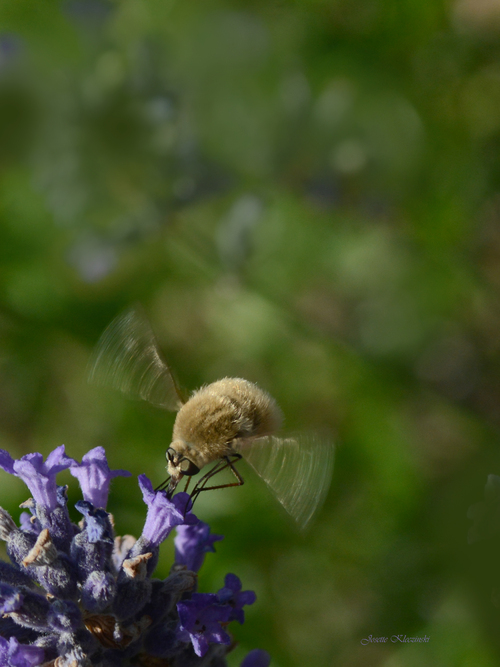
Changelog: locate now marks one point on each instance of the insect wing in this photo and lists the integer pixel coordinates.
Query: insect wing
(298, 470)
(127, 358)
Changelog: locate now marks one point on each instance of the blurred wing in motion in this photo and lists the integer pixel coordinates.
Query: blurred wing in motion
(298, 470)
(126, 358)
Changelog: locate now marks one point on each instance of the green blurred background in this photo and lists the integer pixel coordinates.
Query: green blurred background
(302, 193)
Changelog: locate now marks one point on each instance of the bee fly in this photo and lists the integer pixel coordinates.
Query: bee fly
(218, 424)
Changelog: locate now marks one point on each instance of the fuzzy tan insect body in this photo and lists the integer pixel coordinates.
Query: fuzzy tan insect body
(219, 424)
(219, 414)
(215, 419)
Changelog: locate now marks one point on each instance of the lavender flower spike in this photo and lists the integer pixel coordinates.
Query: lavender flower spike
(39, 475)
(163, 513)
(192, 543)
(66, 601)
(94, 476)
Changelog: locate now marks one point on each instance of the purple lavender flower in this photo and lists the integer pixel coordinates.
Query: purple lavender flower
(78, 595)
(256, 658)
(192, 543)
(94, 476)
(14, 654)
(201, 620)
(232, 595)
(49, 502)
(39, 475)
(163, 514)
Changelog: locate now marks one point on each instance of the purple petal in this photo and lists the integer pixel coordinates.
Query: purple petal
(6, 462)
(94, 476)
(97, 522)
(256, 658)
(10, 599)
(233, 582)
(190, 609)
(14, 654)
(40, 476)
(203, 610)
(220, 636)
(224, 595)
(200, 617)
(192, 543)
(57, 461)
(200, 644)
(246, 597)
(238, 615)
(235, 598)
(163, 513)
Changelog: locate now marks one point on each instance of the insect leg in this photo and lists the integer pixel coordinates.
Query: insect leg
(163, 485)
(188, 482)
(226, 462)
(220, 465)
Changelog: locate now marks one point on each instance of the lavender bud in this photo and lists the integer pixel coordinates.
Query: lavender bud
(10, 574)
(19, 544)
(180, 582)
(98, 591)
(90, 556)
(43, 551)
(64, 616)
(10, 599)
(59, 524)
(123, 545)
(141, 547)
(33, 612)
(131, 597)
(136, 568)
(162, 641)
(58, 579)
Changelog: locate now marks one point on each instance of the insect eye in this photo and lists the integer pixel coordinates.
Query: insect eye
(170, 454)
(187, 467)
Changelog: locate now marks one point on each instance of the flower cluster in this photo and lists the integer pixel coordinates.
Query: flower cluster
(76, 595)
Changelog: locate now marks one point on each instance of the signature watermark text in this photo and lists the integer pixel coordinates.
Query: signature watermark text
(395, 639)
